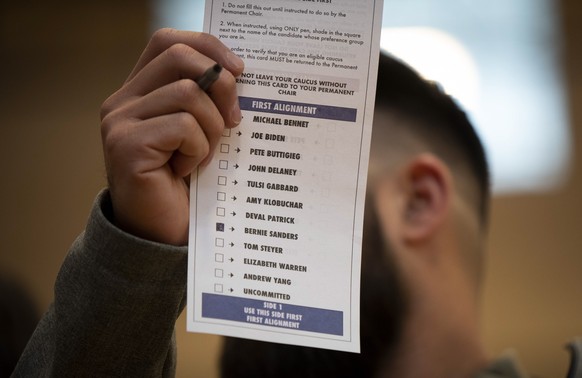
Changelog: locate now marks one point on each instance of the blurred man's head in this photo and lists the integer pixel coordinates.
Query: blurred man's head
(422, 139)
(424, 226)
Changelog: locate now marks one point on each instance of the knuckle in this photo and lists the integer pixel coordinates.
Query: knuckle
(178, 52)
(107, 107)
(112, 139)
(191, 129)
(207, 40)
(161, 35)
(108, 126)
(216, 127)
(185, 89)
(115, 115)
(186, 119)
(203, 148)
(228, 81)
(115, 132)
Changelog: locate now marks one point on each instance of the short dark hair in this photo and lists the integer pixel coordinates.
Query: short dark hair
(436, 119)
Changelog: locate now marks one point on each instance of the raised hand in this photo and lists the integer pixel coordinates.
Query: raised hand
(160, 126)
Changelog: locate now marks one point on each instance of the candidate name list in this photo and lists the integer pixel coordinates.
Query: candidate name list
(272, 210)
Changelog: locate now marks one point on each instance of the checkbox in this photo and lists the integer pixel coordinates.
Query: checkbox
(221, 196)
(220, 211)
(225, 148)
(220, 227)
(328, 160)
(218, 288)
(331, 128)
(223, 164)
(219, 242)
(326, 176)
(226, 133)
(325, 193)
(330, 143)
(218, 273)
(219, 257)
(222, 180)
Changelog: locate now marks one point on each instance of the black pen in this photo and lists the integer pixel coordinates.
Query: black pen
(208, 77)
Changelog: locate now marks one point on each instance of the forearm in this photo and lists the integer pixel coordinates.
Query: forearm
(117, 298)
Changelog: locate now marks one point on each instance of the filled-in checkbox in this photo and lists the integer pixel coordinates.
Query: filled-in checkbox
(222, 180)
(218, 288)
(220, 211)
(219, 257)
(218, 273)
(225, 148)
(223, 164)
(219, 242)
(221, 196)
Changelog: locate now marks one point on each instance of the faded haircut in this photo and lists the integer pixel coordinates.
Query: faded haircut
(435, 119)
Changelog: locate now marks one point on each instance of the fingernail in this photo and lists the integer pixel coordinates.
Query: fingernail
(236, 115)
(236, 62)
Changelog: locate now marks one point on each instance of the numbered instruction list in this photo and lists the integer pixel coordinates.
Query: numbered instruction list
(276, 217)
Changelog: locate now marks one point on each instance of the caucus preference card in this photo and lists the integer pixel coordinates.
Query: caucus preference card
(276, 218)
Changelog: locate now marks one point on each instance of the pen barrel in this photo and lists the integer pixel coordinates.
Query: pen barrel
(209, 76)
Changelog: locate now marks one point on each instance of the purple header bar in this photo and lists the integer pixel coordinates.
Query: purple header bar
(298, 109)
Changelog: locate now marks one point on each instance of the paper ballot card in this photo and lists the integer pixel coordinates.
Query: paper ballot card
(276, 218)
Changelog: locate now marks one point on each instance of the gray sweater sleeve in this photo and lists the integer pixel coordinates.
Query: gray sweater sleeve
(117, 298)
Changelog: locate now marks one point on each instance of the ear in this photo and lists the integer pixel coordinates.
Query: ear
(428, 185)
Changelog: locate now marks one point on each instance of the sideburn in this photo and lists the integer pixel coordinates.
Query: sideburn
(384, 301)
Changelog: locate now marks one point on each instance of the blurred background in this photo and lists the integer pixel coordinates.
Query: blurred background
(515, 65)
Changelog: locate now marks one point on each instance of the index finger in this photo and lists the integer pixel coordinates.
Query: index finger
(204, 43)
